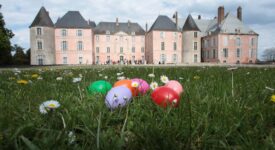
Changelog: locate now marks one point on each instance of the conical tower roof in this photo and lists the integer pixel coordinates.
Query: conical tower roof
(42, 19)
(190, 24)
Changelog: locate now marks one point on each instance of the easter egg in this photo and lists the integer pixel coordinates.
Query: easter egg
(164, 96)
(100, 86)
(118, 97)
(128, 84)
(143, 85)
(175, 85)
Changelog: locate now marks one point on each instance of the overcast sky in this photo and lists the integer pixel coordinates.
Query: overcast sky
(259, 15)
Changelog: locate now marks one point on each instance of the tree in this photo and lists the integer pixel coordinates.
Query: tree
(28, 57)
(19, 58)
(269, 54)
(5, 44)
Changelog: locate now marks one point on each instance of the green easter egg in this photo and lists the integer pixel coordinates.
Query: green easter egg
(100, 86)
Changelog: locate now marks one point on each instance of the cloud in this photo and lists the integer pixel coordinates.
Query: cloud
(19, 14)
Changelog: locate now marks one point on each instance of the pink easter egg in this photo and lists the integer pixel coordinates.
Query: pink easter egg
(143, 85)
(175, 85)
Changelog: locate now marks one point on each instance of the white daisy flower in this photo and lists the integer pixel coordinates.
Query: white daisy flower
(48, 106)
(71, 137)
(39, 78)
(59, 78)
(121, 78)
(80, 75)
(105, 77)
(151, 75)
(154, 85)
(100, 75)
(135, 84)
(164, 79)
(181, 78)
(75, 80)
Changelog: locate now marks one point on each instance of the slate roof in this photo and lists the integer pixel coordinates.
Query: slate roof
(102, 27)
(164, 23)
(42, 19)
(190, 24)
(72, 19)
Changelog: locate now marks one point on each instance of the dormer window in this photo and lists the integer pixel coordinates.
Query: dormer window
(108, 32)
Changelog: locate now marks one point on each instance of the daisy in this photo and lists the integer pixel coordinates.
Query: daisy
(135, 84)
(71, 137)
(105, 77)
(121, 78)
(154, 85)
(75, 80)
(59, 78)
(22, 81)
(48, 106)
(100, 75)
(151, 75)
(39, 78)
(80, 75)
(164, 79)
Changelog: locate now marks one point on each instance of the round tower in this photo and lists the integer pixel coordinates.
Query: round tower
(42, 39)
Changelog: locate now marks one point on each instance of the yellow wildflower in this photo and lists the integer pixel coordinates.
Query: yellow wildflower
(22, 81)
(273, 98)
(196, 77)
(35, 75)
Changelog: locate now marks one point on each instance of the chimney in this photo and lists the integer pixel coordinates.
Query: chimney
(239, 13)
(146, 27)
(176, 15)
(117, 22)
(220, 14)
(199, 17)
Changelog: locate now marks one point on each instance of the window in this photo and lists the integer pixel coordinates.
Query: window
(97, 49)
(108, 49)
(133, 59)
(214, 54)
(195, 58)
(64, 45)
(225, 52)
(195, 45)
(79, 33)
(162, 58)
(238, 41)
(38, 31)
(251, 54)
(80, 60)
(121, 49)
(133, 49)
(174, 58)
(97, 59)
(195, 34)
(97, 38)
(238, 52)
(162, 35)
(162, 46)
(108, 32)
(252, 42)
(39, 45)
(225, 41)
(64, 32)
(175, 35)
(40, 59)
(205, 44)
(108, 38)
(79, 45)
(142, 49)
(175, 46)
(65, 61)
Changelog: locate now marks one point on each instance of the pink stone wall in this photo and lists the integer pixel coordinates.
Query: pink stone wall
(154, 51)
(248, 51)
(72, 53)
(115, 43)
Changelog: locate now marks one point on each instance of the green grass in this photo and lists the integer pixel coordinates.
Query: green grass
(208, 117)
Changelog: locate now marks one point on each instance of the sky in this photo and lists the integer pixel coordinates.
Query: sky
(259, 15)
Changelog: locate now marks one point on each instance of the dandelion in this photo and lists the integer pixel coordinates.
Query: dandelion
(75, 80)
(106, 77)
(121, 78)
(154, 85)
(273, 98)
(48, 106)
(59, 78)
(22, 81)
(164, 79)
(35, 75)
(151, 75)
(196, 77)
(135, 84)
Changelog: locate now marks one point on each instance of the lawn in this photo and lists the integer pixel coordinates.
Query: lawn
(211, 114)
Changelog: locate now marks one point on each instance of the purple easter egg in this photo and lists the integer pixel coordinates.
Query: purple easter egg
(118, 97)
(143, 85)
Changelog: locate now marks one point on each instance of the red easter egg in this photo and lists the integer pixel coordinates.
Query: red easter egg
(128, 84)
(175, 85)
(164, 96)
